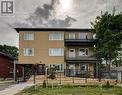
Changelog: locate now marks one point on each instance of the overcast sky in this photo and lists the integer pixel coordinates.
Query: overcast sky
(52, 13)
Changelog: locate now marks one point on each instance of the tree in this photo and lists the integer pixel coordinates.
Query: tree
(108, 29)
(11, 51)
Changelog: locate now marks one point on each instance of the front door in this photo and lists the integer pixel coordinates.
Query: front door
(72, 70)
(84, 68)
(72, 53)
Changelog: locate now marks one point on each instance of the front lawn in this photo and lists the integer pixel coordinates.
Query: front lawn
(70, 90)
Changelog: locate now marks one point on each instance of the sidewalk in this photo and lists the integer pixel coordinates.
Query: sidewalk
(13, 89)
(120, 84)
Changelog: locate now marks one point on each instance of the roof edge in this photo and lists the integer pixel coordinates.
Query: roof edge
(5, 55)
(53, 29)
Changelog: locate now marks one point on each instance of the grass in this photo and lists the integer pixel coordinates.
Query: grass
(71, 90)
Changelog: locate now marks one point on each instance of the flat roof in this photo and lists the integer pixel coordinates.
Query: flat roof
(53, 29)
(5, 55)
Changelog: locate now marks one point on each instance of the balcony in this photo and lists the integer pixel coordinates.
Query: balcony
(80, 42)
(83, 59)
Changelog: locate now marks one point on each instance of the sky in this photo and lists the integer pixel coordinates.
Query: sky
(52, 13)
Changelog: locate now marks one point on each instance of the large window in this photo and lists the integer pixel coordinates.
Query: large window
(83, 51)
(83, 36)
(29, 36)
(71, 35)
(56, 36)
(57, 67)
(56, 51)
(28, 51)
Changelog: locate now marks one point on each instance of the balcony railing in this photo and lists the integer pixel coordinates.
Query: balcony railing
(79, 42)
(81, 59)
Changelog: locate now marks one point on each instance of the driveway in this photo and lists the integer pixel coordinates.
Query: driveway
(5, 84)
(15, 88)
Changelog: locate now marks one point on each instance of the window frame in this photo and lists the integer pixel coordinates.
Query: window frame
(60, 66)
(51, 52)
(84, 35)
(26, 36)
(84, 51)
(27, 54)
(52, 34)
(72, 35)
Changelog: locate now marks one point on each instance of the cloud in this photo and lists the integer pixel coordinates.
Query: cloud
(43, 17)
(48, 13)
(8, 35)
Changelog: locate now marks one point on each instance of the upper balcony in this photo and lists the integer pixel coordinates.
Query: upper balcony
(79, 39)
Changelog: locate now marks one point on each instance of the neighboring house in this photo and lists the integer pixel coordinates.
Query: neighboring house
(63, 48)
(7, 67)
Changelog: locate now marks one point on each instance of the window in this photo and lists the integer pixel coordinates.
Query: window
(84, 67)
(28, 51)
(83, 36)
(56, 36)
(57, 67)
(71, 35)
(28, 36)
(11, 70)
(56, 51)
(83, 52)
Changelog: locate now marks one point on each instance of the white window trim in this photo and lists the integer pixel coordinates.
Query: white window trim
(85, 51)
(62, 52)
(60, 69)
(51, 36)
(24, 52)
(25, 33)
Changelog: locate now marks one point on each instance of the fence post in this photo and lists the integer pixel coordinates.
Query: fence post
(60, 77)
(73, 78)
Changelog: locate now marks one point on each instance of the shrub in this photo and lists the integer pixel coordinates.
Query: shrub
(108, 84)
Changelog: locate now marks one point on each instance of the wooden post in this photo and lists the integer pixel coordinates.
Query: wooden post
(60, 77)
(23, 73)
(46, 76)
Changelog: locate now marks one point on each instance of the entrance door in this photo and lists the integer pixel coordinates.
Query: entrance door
(84, 69)
(72, 53)
(72, 70)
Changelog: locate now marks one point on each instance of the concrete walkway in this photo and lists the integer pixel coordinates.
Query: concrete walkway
(120, 84)
(13, 89)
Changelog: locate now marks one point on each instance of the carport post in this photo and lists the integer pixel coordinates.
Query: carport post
(15, 69)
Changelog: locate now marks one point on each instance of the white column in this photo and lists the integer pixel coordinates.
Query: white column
(14, 75)
(119, 76)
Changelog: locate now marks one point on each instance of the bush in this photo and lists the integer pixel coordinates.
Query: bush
(108, 84)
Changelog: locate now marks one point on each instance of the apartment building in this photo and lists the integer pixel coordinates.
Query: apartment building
(63, 48)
